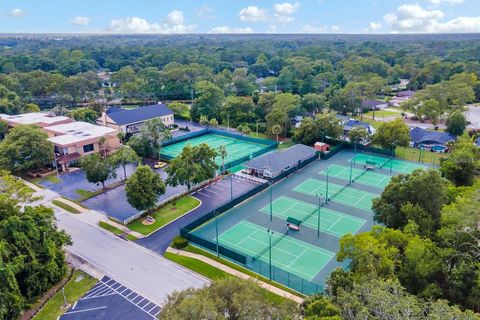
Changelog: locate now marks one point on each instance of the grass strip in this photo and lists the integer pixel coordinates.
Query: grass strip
(165, 215)
(74, 289)
(65, 206)
(115, 230)
(246, 271)
(213, 273)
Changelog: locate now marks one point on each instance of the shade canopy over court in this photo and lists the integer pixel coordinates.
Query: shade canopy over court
(273, 164)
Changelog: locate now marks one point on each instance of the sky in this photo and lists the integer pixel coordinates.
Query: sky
(239, 16)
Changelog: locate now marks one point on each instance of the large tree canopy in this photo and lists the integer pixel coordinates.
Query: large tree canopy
(25, 147)
(143, 188)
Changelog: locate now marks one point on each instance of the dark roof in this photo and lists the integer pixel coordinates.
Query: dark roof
(351, 123)
(419, 135)
(406, 93)
(122, 116)
(282, 160)
(372, 103)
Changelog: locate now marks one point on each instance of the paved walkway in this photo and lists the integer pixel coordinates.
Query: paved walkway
(237, 273)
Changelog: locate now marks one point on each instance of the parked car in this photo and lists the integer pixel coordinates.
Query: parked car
(159, 165)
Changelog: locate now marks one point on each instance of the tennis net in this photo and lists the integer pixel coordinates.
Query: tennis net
(359, 175)
(387, 161)
(261, 253)
(339, 191)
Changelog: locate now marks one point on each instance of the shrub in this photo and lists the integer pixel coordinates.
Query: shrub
(179, 242)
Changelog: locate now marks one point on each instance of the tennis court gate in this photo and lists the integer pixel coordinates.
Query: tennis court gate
(259, 266)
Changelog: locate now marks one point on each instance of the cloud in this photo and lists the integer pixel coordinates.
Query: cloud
(253, 14)
(373, 26)
(415, 19)
(284, 11)
(439, 2)
(17, 12)
(206, 12)
(140, 25)
(80, 21)
(335, 28)
(412, 18)
(225, 29)
(175, 17)
(309, 28)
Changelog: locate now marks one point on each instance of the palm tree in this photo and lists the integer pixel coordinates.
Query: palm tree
(102, 141)
(223, 153)
(276, 130)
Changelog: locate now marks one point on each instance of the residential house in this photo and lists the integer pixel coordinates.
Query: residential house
(130, 121)
(374, 105)
(400, 98)
(74, 140)
(420, 136)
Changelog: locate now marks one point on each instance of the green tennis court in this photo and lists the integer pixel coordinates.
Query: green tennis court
(292, 255)
(342, 194)
(397, 165)
(366, 177)
(331, 222)
(236, 148)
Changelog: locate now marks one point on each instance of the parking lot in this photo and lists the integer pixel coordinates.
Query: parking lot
(109, 299)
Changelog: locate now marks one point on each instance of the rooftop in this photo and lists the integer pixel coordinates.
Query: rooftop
(74, 132)
(33, 118)
(122, 116)
(282, 160)
(420, 135)
(372, 103)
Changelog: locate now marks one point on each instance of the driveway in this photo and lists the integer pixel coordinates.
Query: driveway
(212, 197)
(147, 273)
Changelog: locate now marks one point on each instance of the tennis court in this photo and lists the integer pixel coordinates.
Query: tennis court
(332, 222)
(292, 255)
(363, 176)
(345, 195)
(386, 163)
(236, 148)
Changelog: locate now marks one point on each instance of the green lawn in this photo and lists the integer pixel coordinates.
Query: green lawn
(37, 181)
(115, 230)
(414, 154)
(235, 266)
(165, 214)
(285, 144)
(74, 289)
(65, 206)
(382, 114)
(85, 194)
(213, 273)
(373, 123)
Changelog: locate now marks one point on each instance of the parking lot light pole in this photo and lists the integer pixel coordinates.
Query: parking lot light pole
(270, 234)
(318, 222)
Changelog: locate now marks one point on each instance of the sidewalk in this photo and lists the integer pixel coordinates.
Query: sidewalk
(237, 273)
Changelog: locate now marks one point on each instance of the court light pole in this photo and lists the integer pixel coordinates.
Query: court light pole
(231, 186)
(351, 169)
(318, 222)
(326, 195)
(393, 154)
(271, 205)
(216, 232)
(270, 234)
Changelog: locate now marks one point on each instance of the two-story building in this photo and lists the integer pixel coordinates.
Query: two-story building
(130, 121)
(74, 140)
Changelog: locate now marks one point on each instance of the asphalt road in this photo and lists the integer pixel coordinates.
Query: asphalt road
(143, 271)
